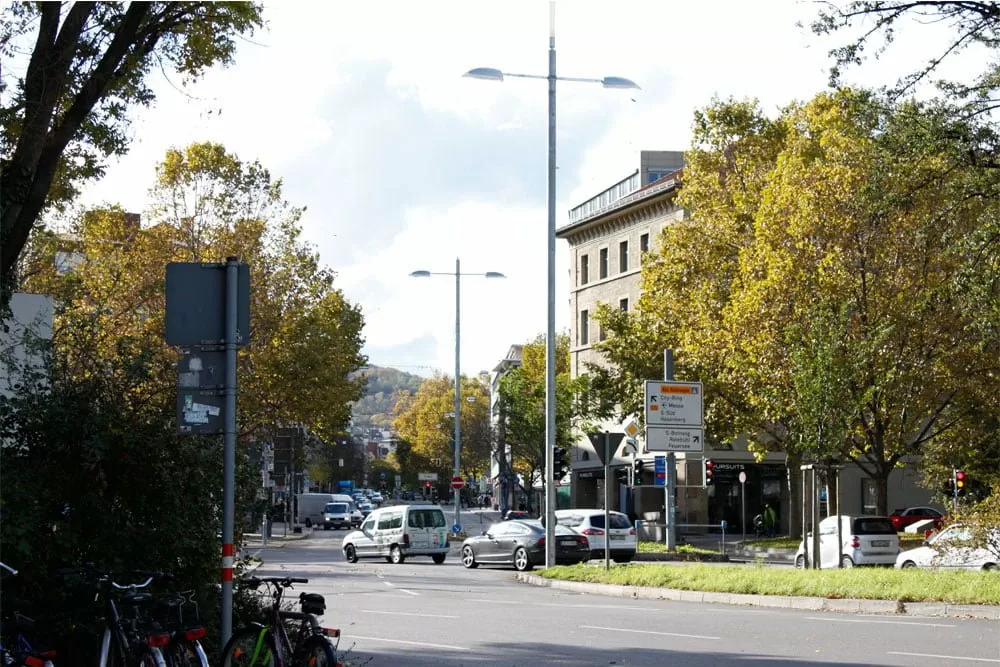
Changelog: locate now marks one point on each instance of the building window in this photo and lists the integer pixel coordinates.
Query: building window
(623, 305)
(623, 257)
(584, 269)
(643, 244)
(604, 263)
(584, 327)
(602, 335)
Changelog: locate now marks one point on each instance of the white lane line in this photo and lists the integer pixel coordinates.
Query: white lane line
(870, 620)
(410, 592)
(406, 613)
(389, 583)
(495, 601)
(647, 632)
(943, 657)
(588, 606)
(402, 641)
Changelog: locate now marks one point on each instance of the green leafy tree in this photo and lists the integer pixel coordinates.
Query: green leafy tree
(108, 277)
(522, 397)
(425, 421)
(87, 69)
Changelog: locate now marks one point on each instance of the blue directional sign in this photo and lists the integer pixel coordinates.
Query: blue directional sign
(456, 529)
(660, 471)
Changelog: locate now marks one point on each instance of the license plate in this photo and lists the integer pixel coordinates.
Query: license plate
(568, 543)
(880, 543)
(617, 537)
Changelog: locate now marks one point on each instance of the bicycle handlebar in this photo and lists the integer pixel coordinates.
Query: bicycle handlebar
(129, 587)
(284, 582)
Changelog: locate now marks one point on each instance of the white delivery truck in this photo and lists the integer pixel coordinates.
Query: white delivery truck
(310, 507)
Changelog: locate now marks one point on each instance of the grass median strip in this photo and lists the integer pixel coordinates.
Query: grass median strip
(863, 583)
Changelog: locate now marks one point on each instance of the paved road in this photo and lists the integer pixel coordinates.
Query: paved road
(419, 613)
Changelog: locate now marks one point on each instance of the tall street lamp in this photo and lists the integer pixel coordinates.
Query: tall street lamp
(458, 368)
(491, 74)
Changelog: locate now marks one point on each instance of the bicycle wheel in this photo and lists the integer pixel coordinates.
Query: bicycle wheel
(249, 647)
(149, 657)
(317, 652)
(185, 653)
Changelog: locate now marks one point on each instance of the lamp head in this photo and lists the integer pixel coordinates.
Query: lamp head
(487, 73)
(495, 274)
(420, 274)
(618, 82)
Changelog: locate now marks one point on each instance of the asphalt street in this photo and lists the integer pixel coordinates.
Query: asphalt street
(419, 613)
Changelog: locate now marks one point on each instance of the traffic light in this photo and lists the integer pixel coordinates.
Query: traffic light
(637, 465)
(959, 482)
(560, 464)
(709, 472)
(622, 475)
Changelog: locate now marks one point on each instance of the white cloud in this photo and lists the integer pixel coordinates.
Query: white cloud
(403, 163)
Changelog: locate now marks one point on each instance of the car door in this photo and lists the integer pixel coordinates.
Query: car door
(510, 540)
(489, 547)
(364, 544)
(383, 534)
(829, 550)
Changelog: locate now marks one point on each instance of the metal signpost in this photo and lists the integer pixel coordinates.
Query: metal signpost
(674, 423)
(743, 502)
(604, 445)
(208, 306)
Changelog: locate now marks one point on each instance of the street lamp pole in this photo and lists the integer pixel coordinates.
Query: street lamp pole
(458, 368)
(458, 388)
(492, 74)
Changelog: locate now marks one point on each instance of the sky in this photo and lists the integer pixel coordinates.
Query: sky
(403, 164)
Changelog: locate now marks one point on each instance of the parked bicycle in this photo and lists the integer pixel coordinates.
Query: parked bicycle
(15, 648)
(271, 645)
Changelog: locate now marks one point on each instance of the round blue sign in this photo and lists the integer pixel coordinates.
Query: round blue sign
(456, 529)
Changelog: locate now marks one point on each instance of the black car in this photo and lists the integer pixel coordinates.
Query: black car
(522, 544)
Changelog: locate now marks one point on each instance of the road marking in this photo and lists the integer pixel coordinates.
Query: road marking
(495, 601)
(589, 606)
(647, 632)
(403, 641)
(389, 583)
(944, 657)
(406, 613)
(410, 592)
(870, 620)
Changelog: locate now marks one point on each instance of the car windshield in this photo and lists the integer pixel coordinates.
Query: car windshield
(336, 508)
(618, 521)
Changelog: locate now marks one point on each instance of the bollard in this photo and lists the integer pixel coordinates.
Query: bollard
(723, 526)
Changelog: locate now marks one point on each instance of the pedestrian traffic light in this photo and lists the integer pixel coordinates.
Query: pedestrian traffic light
(560, 465)
(709, 472)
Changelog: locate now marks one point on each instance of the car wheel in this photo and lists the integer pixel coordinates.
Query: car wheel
(907, 565)
(396, 556)
(991, 567)
(800, 562)
(522, 563)
(437, 558)
(350, 554)
(309, 523)
(469, 558)
(846, 562)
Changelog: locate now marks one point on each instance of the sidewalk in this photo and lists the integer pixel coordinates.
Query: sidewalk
(278, 536)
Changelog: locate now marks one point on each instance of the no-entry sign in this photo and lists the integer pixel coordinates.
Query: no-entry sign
(457, 482)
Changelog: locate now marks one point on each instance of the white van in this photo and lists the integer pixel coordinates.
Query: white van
(396, 533)
(310, 507)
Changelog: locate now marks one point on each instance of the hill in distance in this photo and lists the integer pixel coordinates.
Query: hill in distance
(385, 385)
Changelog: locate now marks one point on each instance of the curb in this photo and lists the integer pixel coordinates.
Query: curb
(654, 557)
(774, 601)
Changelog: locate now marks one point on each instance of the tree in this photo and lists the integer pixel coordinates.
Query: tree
(973, 23)
(306, 337)
(522, 399)
(379, 467)
(425, 421)
(87, 67)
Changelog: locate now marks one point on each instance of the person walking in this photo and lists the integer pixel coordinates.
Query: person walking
(770, 520)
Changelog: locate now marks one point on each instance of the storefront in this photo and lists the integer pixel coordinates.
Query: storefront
(766, 483)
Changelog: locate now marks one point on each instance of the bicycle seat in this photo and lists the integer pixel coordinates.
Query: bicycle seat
(136, 598)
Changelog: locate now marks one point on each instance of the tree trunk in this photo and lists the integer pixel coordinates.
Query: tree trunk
(791, 515)
(882, 491)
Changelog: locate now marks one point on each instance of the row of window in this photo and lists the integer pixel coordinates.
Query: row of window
(602, 267)
(583, 333)
(606, 198)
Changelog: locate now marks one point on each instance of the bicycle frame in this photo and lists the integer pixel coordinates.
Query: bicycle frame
(114, 634)
(283, 643)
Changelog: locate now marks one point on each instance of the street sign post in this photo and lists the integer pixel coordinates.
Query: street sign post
(672, 439)
(660, 471)
(743, 502)
(427, 477)
(196, 303)
(605, 444)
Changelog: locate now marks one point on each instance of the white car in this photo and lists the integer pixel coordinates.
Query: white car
(396, 533)
(867, 540)
(952, 549)
(590, 522)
